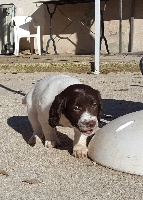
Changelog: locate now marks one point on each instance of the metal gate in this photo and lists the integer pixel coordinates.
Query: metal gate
(7, 11)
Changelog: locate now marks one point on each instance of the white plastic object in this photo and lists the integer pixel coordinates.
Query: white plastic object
(119, 144)
(22, 30)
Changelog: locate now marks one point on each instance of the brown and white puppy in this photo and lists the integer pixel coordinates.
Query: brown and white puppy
(63, 100)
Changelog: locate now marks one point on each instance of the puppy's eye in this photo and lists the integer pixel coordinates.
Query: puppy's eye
(76, 108)
(94, 105)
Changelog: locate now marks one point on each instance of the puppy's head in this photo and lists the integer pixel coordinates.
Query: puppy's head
(80, 104)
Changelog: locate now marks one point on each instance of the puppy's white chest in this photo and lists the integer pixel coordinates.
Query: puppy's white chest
(64, 121)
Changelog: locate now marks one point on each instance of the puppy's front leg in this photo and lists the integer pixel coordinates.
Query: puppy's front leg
(79, 145)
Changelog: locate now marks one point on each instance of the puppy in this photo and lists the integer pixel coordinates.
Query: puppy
(63, 100)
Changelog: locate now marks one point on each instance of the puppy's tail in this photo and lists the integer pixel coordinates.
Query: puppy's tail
(24, 101)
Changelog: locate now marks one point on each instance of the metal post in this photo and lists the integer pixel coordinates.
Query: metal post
(97, 36)
(102, 37)
(120, 28)
(130, 48)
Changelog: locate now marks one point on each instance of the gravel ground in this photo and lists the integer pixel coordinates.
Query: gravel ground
(37, 173)
(26, 63)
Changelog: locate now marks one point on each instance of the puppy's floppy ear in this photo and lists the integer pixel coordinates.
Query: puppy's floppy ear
(100, 105)
(56, 109)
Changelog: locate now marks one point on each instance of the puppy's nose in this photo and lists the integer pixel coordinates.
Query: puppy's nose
(90, 124)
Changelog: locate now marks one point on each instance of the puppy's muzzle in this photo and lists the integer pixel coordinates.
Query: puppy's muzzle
(90, 124)
(88, 127)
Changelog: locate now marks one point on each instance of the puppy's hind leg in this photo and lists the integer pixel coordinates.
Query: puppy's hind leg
(51, 139)
(37, 136)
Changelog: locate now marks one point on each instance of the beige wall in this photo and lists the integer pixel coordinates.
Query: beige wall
(73, 26)
(112, 26)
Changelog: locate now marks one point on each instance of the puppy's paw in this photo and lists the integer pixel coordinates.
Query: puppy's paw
(34, 140)
(52, 143)
(80, 151)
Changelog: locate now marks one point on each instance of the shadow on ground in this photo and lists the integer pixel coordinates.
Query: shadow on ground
(113, 109)
(22, 125)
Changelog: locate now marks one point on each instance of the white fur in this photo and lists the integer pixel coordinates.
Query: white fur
(87, 117)
(39, 100)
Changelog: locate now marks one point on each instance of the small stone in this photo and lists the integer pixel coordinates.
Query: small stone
(3, 172)
(32, 181)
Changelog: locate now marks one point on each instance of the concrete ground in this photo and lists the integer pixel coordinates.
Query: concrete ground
(38, 173)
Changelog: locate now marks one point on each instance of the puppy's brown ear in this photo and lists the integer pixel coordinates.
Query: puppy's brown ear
(100, 105)
(56, 109)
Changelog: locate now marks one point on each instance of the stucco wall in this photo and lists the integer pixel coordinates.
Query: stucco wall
(111, 17)
(73, 26)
